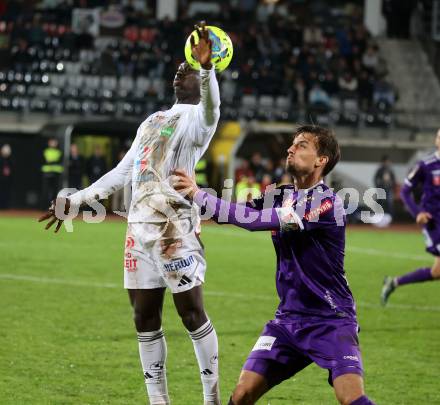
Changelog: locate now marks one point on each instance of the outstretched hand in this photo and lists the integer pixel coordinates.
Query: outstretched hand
(50, 215)
(203, 50)
(184, 184)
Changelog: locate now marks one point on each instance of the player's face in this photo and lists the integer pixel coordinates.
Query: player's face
(186, 82)
(302, 156)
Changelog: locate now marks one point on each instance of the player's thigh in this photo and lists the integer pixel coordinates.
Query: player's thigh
(250, 387)
(348, 388)
(436, 268)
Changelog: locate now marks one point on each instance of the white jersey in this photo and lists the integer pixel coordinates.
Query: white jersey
(166, 140)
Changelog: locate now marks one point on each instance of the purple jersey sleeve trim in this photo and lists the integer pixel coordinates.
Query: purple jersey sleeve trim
(407, 198)
(225, 212)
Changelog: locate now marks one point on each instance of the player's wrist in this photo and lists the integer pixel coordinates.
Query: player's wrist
(206, 66)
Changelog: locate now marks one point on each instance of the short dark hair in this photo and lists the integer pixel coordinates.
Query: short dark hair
(326, 143)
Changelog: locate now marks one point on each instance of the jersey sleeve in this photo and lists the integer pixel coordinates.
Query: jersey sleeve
(111, 182)
(226, 212)
(208, 110)
(415, 177)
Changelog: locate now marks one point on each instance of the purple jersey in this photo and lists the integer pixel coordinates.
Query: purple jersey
(426, 174)
(310, 276)
(308, 232)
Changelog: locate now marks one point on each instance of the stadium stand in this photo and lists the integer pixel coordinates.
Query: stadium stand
(333, 72)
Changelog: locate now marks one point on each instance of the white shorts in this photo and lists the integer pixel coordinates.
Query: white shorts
(163, 255)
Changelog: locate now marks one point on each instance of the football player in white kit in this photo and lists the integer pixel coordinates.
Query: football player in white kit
(162, 248)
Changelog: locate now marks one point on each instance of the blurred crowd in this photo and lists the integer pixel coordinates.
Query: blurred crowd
(255, 175)
(79, 172)
(316, 59)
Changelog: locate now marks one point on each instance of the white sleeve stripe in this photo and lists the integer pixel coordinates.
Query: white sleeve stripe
(298, 220)
(293, 218)
(408, 183)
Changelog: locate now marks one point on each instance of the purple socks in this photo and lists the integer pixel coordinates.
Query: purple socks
(415, 277)
(363, 400)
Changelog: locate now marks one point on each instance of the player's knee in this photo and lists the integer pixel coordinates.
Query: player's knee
(146, 321)
(193, 318)
(435, 272)
(243, 395)
(347, 398)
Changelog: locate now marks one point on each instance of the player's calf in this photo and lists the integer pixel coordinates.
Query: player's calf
(349, 390)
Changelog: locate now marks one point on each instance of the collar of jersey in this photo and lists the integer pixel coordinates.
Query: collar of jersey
(181, 107)
(306, 190)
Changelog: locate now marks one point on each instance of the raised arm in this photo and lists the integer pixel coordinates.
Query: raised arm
(209, 97)
(209, 106)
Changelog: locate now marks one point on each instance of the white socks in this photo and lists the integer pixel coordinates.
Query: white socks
(153, 353)
(206, 349)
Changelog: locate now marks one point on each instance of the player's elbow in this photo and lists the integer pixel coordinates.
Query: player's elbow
(405, 192)
(211, 117)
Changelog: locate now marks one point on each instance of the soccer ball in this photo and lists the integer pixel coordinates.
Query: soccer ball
(222, 49)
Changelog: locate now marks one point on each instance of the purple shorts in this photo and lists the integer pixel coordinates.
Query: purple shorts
(283, 349)
(432, 237)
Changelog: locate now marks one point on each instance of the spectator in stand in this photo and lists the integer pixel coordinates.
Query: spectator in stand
(243, 170)
(365, 90)
(247, 189)
(76, 168)
(125, 65)
(385, 179)
(20, 57)
(384, 93)
(318, 97)
(96, 165)
(280, 170)
(370, 59)
(266, 182)
(257, 166)
(36, 35)
(312, 35)
(6, 172)
(330, 84)
(51, 170)
(348, 85)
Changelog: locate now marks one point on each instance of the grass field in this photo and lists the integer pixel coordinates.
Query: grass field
(66, 334)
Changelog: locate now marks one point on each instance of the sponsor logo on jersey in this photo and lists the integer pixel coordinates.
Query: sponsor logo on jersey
(176, 265)
(436, 177)
(130, 263)
(315, 213)
(354, 358)
(168, 132)
(264, 343)
(129, 242)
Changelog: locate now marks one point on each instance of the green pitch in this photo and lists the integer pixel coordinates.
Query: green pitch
(66, 334)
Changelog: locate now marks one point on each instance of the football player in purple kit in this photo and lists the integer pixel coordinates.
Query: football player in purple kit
(427, 214)
(316, 318)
